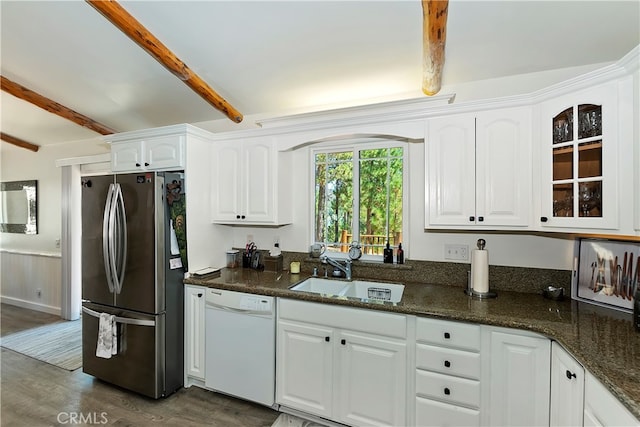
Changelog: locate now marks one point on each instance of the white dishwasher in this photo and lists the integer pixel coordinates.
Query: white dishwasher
(240, 345)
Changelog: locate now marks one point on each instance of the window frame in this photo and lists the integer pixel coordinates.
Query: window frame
(356, 145)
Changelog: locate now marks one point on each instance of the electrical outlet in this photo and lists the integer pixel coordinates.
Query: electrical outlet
(39, 293)
(456, 252)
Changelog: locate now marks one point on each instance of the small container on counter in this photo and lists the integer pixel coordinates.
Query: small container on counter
(233, 258)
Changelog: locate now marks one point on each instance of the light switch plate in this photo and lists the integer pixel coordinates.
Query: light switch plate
(456, 252)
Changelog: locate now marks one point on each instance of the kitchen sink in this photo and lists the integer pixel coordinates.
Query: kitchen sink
(360, 289)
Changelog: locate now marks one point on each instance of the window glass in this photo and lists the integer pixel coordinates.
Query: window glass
(359, 193)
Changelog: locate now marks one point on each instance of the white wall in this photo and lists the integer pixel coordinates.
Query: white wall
(32, 262)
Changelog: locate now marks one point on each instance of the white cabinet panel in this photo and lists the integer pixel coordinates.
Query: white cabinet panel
(448, 361)
(347, 376)
(434, 413)
(194, 331)
(445, 333)
(567, 388)
(149, 154)
(304, 373)
(601, 408)
(454, 390)
(248, 179)
(519, 379)
(372, 380)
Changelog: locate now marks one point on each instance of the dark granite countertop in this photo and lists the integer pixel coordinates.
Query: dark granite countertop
(602, 340)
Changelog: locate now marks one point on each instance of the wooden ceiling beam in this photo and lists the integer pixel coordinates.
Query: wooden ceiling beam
(434, 32)
(52, 106)
(19, 142)
(119, 17)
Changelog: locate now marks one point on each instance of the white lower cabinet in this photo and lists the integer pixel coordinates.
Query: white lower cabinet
(194, 353)
(601, 408)
(567, 388)
(351, 368)
(447, 374)
(519, 377)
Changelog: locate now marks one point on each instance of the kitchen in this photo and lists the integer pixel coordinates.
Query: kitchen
(535, 251)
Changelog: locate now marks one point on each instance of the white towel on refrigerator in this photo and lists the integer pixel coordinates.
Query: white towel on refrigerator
(107, 336)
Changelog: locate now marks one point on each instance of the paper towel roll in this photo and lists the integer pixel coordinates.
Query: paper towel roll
(480, 270)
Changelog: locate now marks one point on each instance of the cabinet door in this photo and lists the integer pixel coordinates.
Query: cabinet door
(304, 367)
(226, 186)
(601, 408)
(371, 380)
(567, 388)
(194, 331)
(258, 197)
(519, 380)
(579, 166)
(164, 153)
(126, 156)
(503, 167)
(450, 151)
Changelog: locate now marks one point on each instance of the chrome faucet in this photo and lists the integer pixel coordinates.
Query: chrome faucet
(346, 268)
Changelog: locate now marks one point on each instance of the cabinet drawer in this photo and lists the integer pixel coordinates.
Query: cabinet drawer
(432, 413)
(448, 361)
(448, 389)
(448, 334)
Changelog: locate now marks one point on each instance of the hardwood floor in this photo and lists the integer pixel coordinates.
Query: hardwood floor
(34, 393)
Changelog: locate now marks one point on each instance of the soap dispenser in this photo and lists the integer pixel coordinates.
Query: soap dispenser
(400, 254)
(387, 255)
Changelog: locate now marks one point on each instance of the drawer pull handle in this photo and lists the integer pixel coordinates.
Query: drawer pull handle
(200, 295)
(447, 391)
(472, 218)
(447, 335)
(570, 374)
(447, 364)
(327, 339)
(343, 342)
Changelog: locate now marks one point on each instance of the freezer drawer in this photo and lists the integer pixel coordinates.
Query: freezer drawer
(139, 365)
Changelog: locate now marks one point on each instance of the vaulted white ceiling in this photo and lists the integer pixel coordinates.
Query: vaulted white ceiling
(279, 56)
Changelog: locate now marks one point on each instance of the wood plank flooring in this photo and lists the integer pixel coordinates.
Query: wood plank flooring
(34, 393)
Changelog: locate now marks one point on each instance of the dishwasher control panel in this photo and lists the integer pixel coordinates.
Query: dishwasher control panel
(239, 301)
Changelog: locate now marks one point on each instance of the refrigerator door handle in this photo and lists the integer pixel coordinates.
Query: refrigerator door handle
(106, 240)
(120, 237)
(126, 320)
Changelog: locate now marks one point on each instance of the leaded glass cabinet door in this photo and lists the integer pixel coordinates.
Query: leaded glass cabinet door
(579, 160)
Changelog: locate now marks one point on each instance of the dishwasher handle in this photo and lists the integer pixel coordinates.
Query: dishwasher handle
(212, 305)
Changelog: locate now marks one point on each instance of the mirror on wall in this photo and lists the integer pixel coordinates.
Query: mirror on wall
(19, 207)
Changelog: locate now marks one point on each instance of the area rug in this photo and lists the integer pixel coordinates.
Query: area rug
(58, 344)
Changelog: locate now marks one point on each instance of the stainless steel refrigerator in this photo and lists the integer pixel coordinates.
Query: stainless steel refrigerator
(131, 270)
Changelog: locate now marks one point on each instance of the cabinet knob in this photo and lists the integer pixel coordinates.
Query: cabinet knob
(447, 364)
(544, 219)
(343, 341)
(447, 335)
(472, 218)
(327, 339)
(237, 216)
(480, 218)
(447, 391)
(570, 374)
(146, 164)
(200, 295)
(243, 217)
(137, 165)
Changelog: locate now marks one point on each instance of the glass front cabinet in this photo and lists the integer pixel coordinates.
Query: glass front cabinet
(579, 141)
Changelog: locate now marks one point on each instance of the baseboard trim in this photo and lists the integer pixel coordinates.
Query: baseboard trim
(31, 305)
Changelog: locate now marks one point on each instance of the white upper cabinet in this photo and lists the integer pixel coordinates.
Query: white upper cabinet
(479, 170)
(250, 179)
(149, 154)
(586, 160)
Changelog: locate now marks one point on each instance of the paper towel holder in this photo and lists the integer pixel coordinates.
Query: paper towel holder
(481, 243)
